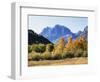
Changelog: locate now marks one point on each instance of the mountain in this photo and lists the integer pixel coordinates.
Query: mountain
(56, 32)
(83, 33)
(66, 37)
(36, 38)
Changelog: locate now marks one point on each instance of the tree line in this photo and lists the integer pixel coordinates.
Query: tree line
(61, 50)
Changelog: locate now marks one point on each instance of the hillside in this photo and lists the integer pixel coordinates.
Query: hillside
(34, 38)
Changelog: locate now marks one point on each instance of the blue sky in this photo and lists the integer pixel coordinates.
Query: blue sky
(38, 23)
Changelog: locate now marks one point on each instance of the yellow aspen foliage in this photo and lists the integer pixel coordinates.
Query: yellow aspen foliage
(60, 46)
(79, 43)
(69, 46)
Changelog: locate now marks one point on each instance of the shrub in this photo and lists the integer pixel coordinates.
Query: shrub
(39, 48)
(42, 48)
(29, 57)
(56, 56)
(46, 56)
(36, 56)
(85, 54)
(29, 48)
(68, 54)
(34, 47)
(64, 55)
(78, 53)
(49, 47)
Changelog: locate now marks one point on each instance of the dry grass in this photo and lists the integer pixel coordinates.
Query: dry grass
(68, 61)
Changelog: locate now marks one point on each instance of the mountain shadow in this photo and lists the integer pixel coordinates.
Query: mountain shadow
(34, 38)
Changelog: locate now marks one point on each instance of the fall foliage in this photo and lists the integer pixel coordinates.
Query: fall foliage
(60, 46)
(73, 48)
(70, 49)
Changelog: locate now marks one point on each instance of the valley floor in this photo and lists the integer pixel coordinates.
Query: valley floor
(68, 61)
